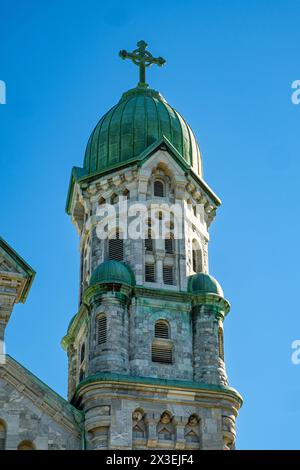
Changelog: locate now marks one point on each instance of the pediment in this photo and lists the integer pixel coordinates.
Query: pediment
(13, 268)
(191, 434)
(164, 431)
(161, 151)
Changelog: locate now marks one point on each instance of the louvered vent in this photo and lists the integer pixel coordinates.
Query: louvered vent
(162, 353)
(159, 189)
(101, 329)
(168, 275)
(162, 330)
(149, 272)
(115, 248)
(149, 242)
(169, 246)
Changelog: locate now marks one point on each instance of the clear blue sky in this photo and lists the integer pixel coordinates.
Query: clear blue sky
(230, 65)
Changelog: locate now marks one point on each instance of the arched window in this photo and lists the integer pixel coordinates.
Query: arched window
(169, 245)
(221, 343)
(159, 188)
(148, 236)
(149, 240)
(168, 269)
(115, 247)
(2, 435)
(194, 261)
(81, 375)
(26, 445)
(82, 353)
(196, 257)
(101, 329)
(162, 329)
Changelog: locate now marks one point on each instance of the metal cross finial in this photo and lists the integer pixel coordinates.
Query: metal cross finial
(143, 59)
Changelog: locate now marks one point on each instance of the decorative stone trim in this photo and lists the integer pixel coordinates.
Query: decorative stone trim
(42, 396)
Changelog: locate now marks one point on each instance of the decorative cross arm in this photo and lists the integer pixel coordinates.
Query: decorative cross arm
(143, 59)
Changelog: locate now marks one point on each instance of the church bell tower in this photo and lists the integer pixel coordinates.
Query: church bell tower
(146, 349)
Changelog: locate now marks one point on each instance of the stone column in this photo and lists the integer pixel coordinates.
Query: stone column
(180, 423)
(151, 420)
(159, 259)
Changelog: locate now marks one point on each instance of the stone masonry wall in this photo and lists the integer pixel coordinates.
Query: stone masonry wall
(143, 315)
(25, 421)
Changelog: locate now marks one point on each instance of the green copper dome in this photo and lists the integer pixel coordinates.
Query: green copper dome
(113, 272)
(141, 118)
(202, 283)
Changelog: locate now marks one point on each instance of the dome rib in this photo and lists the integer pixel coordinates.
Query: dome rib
(126, 130)
(178, 125)
(120, 129)
(98, 140)
(133, 123)
(146, 122)
(164, 120)
(190, 143)
(157, 120)
(185, 143)
(181, 131)
(140, 126)
(170, 124)
(152, 127)
(102, 140)
(109, 147)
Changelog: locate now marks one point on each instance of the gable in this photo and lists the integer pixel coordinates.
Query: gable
(14, 268)
(162, 157)
(41, 413)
